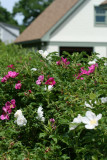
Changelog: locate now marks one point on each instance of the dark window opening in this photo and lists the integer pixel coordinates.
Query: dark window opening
(71, 50)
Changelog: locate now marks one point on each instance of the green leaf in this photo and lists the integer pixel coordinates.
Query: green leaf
(92, 96)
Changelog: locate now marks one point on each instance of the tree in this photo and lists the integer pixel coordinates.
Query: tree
(30, 9)
(7, 17)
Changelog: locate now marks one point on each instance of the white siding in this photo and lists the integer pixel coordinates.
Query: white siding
(101, 50)
(52, 48)
(80, 27)
(7, 37)
(13, 30)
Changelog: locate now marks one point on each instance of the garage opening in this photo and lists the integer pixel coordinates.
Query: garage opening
(71, 50)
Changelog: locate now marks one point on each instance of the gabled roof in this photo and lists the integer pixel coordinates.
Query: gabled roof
(103, 3)
(3, 25)
(46, 20)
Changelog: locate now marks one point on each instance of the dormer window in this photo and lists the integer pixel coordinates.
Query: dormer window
(100, 16)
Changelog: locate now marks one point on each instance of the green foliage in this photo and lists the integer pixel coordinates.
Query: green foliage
(30, 9)
(7, 17)
(39, 140)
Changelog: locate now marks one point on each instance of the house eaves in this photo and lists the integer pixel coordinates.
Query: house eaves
(104, 4)
(48, 20)
(1, 24)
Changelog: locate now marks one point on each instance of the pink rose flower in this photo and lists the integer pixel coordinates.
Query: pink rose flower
(7, 109)
(38, 82)
(63, 61)
(4, 116)
(40, 79)
(18, 85)
(13, 74)
(4, 79)
(50, 81)
(11, 66)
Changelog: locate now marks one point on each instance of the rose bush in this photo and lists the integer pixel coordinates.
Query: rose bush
(51, 107)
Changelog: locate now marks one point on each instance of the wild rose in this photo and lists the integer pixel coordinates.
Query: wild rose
(29, 91)
(18, 85)
(4, 79)
(34, 69)
(63, 61)
(40, 114)
(18, 113)
(75, 123)
(13, 74)
(43, 53)
(91, 120)
(4, 116)
(7, 109)
(52, 120)
(49, 88)
(11, 66)
(40, 79)
(50, 81)
(21, 121)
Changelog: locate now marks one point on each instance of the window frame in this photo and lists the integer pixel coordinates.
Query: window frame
(102, 24)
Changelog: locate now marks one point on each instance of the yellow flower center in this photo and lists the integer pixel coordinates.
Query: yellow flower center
(93, 121)
(11, 105)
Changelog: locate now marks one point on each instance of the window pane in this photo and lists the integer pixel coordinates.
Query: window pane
(99, 10)
(100, 18)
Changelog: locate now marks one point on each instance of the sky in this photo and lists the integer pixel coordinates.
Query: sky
(8, 4)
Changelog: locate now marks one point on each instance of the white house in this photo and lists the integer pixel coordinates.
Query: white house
(70, 25)
(8, 33)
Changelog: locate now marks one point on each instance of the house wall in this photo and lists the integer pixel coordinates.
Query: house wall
(0, 33)
(13, 30)
(80, 28)
(7, 37)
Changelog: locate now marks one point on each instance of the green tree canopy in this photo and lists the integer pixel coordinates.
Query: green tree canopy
(7, 17)
(30, 9)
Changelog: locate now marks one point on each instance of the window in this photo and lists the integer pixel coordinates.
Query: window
(71, 50)
(100, 16)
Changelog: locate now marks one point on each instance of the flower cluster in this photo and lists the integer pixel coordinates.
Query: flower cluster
(21, 120)
(83, 71)
(52, 120)
(40, 79)
(40, 114)
(7, 109)
(43, 53)
(11, 66)
(11, 74)
(18, 85)
(63, 62)
(90, 120)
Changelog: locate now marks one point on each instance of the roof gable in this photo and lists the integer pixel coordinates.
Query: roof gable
(104, 3)
(46, 20)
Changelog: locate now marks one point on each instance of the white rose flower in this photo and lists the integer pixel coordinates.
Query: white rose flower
(92, 62)
(43, 53)
(75, 122)
(40, 114)
(18, 113)
(21, 121)
(34, 69)
(91, 120)
(49, 88)
(104, 99)
(88, 105)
